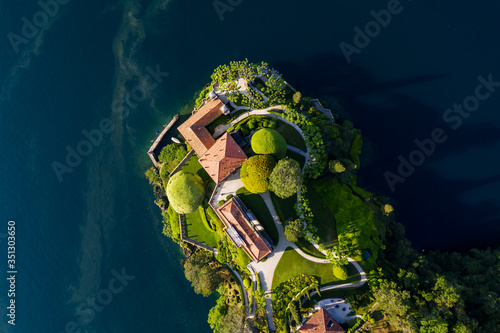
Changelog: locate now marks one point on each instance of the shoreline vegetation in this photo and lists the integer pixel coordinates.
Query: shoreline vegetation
(292, 188)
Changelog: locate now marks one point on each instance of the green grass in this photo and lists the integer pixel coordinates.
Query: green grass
(197, 230)
(257, 205)
(324, 220)
(285, 207)
(292, 264)
(292, 137)
(309, 249)
(355, 150)
(194, 167)
(298, 157)
(353, 216)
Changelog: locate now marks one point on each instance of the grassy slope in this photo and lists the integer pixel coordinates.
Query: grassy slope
(285, 207)
(291, 136)
(292, 264)
(324, 220)
(351, 213)
(197, 230)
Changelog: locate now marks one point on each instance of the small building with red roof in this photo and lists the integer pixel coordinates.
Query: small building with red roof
(223, 158)
(242, 231)
(321, 322)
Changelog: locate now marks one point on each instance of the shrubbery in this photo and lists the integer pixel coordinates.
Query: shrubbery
(286, 178)
(172, 152)
(185, 192)
(255, 173)
(268, 141)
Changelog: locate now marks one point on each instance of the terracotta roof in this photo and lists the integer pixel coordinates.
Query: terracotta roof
(194, 131)
(222, 158)
(234, 218)
(321, 322)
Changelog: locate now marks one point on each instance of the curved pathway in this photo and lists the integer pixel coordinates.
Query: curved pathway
(266, 269)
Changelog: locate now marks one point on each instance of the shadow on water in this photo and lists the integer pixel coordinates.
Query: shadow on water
(429, 206)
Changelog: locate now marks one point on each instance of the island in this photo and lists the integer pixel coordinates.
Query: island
(259, 190)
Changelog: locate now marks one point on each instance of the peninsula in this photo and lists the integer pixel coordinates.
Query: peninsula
(260, 192)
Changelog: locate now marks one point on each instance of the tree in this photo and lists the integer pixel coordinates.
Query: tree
(255, 173)
(294, 230)
(297, 97)
(268, 141)
(340, 271)
(295, 312)
(185, 192)
(202, 272)
(336, 166)
(286, 178)
(172, 152)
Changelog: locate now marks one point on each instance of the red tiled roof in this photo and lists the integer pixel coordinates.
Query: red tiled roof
(232, 216)
(222, 158)
(194, 131)
(321, 322)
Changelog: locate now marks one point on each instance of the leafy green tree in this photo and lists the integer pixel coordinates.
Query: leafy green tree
(336, 166)
(294, 230)
(255, 173)
(297, 97)
(340, 271)
(202, 272)
(433, 324)
(268, 141)
(295, 312)
(286, 178)
(185, 192)
(172, 152)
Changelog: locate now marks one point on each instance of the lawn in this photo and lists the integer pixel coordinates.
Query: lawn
(257, 205)
(354, 218)
(194, 167)
(298, 157)
(285, 207)
(292, 264)
(196, 229)
(292, 137)
(324, 220)
(309, 249)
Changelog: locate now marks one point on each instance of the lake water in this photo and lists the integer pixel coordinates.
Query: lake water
(76, 235)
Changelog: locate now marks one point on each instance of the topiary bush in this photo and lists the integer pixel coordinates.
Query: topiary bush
(255, 173)
(268, 141)
(185, 192)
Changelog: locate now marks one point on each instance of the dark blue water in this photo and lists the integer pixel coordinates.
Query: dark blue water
(72, 235)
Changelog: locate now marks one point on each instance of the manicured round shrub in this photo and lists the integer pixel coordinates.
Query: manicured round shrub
(255, 173)
(185, 192)
(268, 141)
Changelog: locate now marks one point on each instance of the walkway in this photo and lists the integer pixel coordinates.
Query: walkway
(297, 150)
(255, 285)
(245, 295)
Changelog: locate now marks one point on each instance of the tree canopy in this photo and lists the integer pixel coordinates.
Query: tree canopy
(294, 230)
(172, 152)
(268, 141)
(185, 192)
(255, 173)
(286, 178)
(203, 273)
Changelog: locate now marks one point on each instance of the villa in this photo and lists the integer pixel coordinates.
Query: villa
(242, 231)
(223, 158)
(321, 322)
